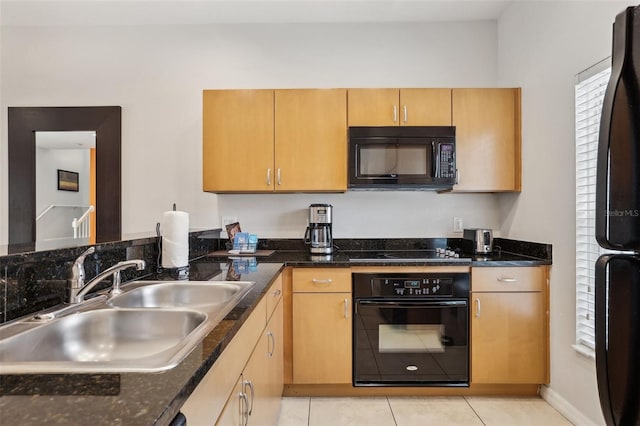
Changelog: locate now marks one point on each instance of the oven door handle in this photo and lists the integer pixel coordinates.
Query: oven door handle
(426, 304)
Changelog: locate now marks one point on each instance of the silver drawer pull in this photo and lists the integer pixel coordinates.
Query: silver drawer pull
(507, 280)
(277, 293)
(477, 308)
(346, 308)
(321, 281)
(244, 412)
(249, 383)
(271, 347)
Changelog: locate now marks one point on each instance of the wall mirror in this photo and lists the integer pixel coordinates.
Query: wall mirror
(26, 125)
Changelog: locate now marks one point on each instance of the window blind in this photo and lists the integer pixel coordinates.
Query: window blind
(589, 93)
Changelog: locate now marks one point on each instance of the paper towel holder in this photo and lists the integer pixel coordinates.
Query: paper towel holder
(179, 273)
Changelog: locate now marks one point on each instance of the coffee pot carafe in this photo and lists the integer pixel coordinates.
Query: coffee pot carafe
(319, 233)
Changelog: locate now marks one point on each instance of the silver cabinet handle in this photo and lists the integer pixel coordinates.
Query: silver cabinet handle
(404, 112)
(507, 280)
(478, 308)
(269, 177)
(244, 415)
(346, 308)
(322, 281)
(273, 344)
(395, 113)
(277, 293)
(279, 177)
(249, 383)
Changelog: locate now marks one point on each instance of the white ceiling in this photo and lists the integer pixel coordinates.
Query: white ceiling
(66, 140)
(162, 12)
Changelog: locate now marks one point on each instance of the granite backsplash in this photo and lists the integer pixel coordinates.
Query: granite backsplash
(30, 282)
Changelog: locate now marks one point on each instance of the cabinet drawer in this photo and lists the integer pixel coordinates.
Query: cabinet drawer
(321, 280)
(508, 279)
(273, 296)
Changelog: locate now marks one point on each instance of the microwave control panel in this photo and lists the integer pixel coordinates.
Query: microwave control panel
(446, 154)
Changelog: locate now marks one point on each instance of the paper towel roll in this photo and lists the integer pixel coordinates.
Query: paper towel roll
(174, 228)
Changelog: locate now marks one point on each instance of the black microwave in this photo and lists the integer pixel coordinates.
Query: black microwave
(409, 157)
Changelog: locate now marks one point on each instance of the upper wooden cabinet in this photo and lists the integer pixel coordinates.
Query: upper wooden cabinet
(282, 140)
(237, 140)
(399, 107)
(311, 140)
(487, 139)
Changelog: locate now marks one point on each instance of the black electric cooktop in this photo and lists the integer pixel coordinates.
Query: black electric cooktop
(405, 256)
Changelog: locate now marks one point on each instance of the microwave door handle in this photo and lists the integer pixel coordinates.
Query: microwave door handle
(435, 162)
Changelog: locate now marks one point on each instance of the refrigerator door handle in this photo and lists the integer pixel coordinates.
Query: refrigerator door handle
(602, 335)
(617, 326)
(618, 171)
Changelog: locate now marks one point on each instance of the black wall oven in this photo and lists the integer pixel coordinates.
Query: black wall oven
(411, 329)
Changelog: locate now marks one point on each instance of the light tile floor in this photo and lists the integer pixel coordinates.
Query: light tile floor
(418, 411)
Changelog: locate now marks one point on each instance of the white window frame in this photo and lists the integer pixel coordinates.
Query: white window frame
(589, 94)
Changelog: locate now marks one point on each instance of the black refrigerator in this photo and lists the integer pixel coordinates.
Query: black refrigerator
(617, 274)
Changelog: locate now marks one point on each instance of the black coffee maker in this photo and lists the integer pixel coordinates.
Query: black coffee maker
(319, 233)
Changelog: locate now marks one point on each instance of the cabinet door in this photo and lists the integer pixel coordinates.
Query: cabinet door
(425, 107)
(237, 140)
(311, 140)
(275, 354)
(207, 400)
(487, 139)
(373, 107)
(507, 338)
(321, 338)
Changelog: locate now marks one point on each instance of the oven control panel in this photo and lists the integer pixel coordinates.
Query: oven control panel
(441, 286)
(411, 284)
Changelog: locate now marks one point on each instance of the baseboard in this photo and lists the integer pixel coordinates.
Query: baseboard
(565, 408)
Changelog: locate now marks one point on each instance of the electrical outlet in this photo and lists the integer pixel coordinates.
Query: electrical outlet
(457, 224)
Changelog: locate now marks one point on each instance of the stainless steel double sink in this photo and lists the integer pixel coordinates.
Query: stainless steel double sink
(150, 327)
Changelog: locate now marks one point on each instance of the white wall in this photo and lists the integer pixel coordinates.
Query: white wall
(157, 74)
(394, 214)
(543, 45)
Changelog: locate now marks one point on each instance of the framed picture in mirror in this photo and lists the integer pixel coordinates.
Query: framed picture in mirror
(68, 181)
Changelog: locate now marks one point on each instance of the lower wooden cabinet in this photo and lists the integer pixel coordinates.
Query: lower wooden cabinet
(321, 325)
(509, 326)
(246, 373)
(255, 399)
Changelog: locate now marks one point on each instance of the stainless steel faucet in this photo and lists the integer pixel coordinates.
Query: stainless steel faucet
(78, 289)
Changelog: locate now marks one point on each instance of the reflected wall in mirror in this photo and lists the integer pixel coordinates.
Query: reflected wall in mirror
(24, 123)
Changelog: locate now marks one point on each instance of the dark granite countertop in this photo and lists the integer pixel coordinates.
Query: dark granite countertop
(129, 398)
(507, 253)
(155, 398)
(340, 259)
